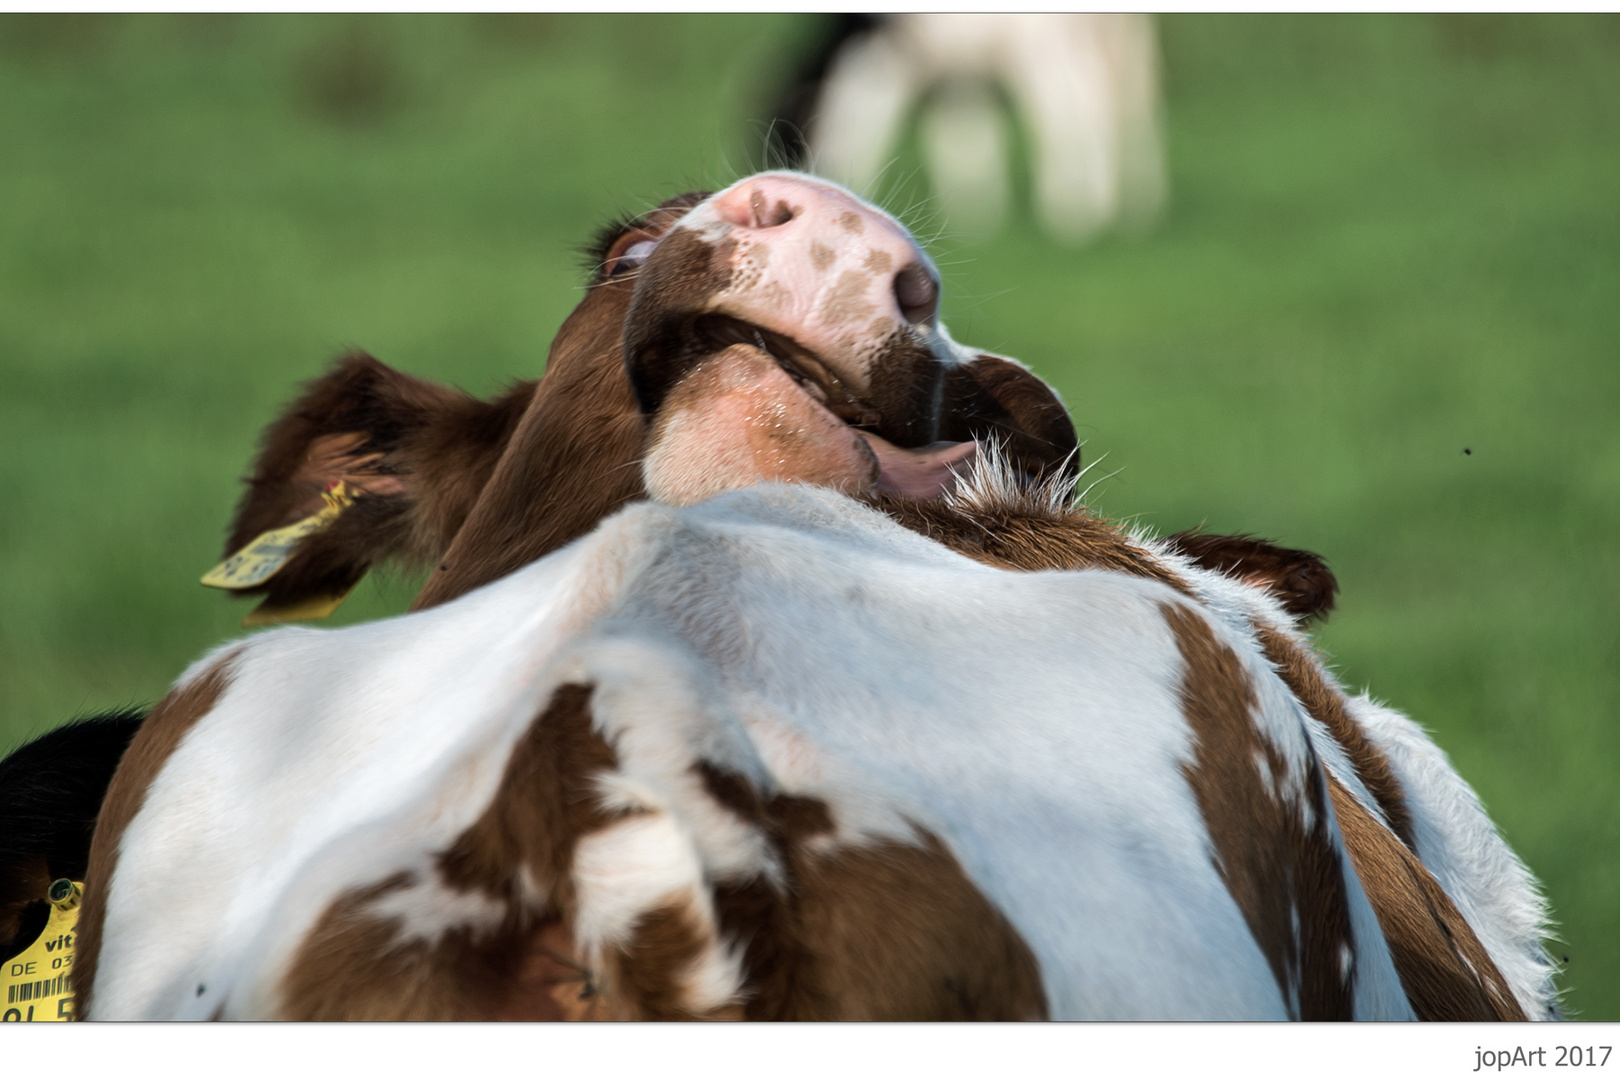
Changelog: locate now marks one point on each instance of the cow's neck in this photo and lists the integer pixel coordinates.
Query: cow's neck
(574, 459)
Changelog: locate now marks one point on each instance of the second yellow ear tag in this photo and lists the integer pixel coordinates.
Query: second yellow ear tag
(37, 983)
(268, 552)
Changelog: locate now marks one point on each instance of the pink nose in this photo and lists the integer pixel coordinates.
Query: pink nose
(785, 207)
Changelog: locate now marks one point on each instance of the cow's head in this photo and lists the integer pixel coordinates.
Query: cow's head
(779, 329)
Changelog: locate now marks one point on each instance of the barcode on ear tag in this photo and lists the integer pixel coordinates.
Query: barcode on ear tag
(258, 561)
(37, 983)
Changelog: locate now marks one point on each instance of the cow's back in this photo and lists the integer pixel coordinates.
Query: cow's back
(1066, 752)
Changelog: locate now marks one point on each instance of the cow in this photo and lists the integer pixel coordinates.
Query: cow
(541, 464)
(821, 730)
(1085, 88)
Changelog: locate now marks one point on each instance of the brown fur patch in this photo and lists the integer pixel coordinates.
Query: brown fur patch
(551, 984)
(151, 748)
(1300, 580)
(996, 399)
(1301, 672)
(677, 285)
(352, 966)
(889, 931)
(546, 801)
(573, 459)
(903, 386)
(845, 304)
(1280, 872)
(1445, 971)
(898, 932)
(1016, 539)
(575, 455)
(645, 976)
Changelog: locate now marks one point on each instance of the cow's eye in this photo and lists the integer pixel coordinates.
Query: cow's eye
(630, 258)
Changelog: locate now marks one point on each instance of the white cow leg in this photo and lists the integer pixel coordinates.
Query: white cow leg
(864, 101)
(1060, 81)
(963, 132)
(1133, 60)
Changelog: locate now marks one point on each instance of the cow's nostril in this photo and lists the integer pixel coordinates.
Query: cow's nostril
(917, 293)
(765, 214)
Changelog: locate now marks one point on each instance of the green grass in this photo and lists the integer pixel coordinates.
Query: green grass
(1390, 239)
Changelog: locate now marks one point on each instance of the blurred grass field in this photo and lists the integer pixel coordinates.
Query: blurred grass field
(1382, 321)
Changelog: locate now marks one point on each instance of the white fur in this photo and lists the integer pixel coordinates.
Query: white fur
(1030, 721)
(634, 867)
(1459, 844)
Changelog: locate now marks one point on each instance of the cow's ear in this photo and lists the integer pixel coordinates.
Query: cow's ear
(1300, 580)
(411, 457)
(991, 397)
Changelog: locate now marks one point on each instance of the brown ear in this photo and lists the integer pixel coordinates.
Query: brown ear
(1300, 580)
(991, 398)
(414, 454)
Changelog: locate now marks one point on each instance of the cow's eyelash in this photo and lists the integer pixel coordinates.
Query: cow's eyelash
(594, 254)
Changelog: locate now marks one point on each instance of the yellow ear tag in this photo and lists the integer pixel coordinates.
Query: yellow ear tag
(269, 551)
(309, 609)
(36, 984)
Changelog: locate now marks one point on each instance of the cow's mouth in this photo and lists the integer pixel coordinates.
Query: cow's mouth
(802, 417)
(804, 367)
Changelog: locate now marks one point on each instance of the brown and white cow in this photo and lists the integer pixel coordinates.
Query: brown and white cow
(774, 753)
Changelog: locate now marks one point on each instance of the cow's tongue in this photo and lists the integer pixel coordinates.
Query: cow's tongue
(924, 473)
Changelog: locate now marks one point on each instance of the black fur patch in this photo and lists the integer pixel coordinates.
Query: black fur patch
(50, 794)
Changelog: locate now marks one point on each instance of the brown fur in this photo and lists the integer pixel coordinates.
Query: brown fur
(1276, 868)
(660, 345)
(551, 984)
(899, 932)
(547, 800)
(1018, 539)
(1445, 971)
(1303, 675)
(1023, 538)
(415, 453)
(574, 458)
(1300, 580)
(157, 739)
(889, 931)
(995, 399)
(644, 977)
(351, 966)
(1274, 865)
